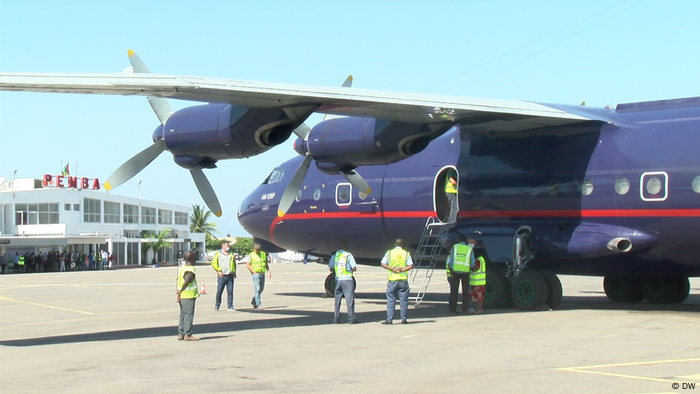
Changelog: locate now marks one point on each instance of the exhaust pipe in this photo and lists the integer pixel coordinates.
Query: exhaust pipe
(620, 245)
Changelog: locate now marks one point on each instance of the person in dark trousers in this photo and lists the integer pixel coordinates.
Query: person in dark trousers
(459, 262)
(451, 194)
(225, 266)
(398, 262)
(186, 295)
(343, 265)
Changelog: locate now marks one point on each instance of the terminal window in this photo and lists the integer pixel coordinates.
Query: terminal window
(180, 218)
(165, 216)
(36, 213)
(91, 210)
(112, 212)
(131, 213)
(148, 215)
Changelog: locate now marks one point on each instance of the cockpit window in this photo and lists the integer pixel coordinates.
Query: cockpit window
(275, 176)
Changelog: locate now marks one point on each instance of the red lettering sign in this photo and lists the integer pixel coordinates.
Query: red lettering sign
(95, 184)
(84, 183)
(59, 181)
(72, 182)
(47, 180)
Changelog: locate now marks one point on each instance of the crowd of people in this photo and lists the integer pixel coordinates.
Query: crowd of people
(57, 262)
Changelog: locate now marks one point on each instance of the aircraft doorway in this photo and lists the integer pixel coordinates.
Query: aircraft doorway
(440, 201)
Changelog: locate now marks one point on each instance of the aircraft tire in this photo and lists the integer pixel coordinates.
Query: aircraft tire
(622, 289)
(555, 289)
(683, 289)
(329, 285)
(660, 290)
(496, 290)
(529, 290)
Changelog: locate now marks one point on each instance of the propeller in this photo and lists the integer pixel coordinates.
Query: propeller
(138, 162)
(295, 183)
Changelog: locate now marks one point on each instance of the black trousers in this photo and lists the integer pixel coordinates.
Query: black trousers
(458, 277)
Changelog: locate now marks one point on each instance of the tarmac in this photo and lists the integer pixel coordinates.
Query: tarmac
(116, 332)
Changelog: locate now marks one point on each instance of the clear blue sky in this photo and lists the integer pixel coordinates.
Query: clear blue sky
(603, 52)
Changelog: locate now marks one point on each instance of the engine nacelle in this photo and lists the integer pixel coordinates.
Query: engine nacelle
(201, 135)
(344, 143)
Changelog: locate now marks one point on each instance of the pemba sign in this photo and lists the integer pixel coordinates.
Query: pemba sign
(70, 181)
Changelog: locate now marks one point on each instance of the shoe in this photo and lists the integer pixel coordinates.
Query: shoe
(259, 308)
(387, 322)
(253, 303)
(191, 338)
(335, 322)
(453, 313)
(479, 312)
(404, 321)
(216, 309)
(471, 312)
(180, 337)
(353, 322)
(231, 310)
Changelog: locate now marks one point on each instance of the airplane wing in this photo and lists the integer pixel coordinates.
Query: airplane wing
(482, 114)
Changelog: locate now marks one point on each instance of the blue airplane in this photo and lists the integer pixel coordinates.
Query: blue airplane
(545, 189)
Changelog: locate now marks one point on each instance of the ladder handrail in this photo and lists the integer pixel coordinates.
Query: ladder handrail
(427, 253)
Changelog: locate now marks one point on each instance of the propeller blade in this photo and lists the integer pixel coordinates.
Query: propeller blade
(206, 191)
(160, 105)
(290, 193)
(134, 165)
(302, 131)
(358, 182)
(347, 83)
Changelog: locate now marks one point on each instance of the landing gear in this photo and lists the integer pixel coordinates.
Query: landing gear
(622, 289)
(496, 290)
(555, 289)
(656, 290)
(530, 290)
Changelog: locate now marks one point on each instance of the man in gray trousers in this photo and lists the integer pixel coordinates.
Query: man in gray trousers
(343, 264)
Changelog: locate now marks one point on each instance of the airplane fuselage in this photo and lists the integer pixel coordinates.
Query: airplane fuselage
(597, 198)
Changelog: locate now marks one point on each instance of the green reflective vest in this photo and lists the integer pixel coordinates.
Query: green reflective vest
(231, 263)
(478, 277)
(258, 263)
(341, 265)
(20, 261)
(449, 187)
(191, 290)
(460, 258)
(397, 258)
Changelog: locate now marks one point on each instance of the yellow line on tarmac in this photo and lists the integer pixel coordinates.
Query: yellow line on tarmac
(46, 306)
(615, 375)
(587, 369)
(635, 363)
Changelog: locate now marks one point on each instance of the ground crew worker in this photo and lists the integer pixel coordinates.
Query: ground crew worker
(258, 263)
(343, 264)
(459, 262)
(186, 295)
(451, 194)
(397, 261)
(20, 263)
(477, 282)
(225, 267)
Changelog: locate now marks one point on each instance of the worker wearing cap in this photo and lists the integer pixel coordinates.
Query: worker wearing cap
(186, 295)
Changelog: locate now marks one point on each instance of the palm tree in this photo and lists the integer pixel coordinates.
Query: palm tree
(199, 221)
(158, 244)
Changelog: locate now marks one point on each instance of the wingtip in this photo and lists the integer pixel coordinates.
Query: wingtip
(107, 186)
(130, 52)
(218, 213)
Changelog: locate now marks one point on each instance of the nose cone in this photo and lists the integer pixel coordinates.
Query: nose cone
(300, 147)
(255, 215)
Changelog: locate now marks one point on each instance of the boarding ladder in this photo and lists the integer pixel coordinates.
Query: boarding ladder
(427, 254)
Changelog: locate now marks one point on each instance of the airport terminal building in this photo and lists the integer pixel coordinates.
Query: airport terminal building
(64, 213)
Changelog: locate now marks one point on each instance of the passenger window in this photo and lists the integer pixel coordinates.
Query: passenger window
(654, 186)
(343, 194)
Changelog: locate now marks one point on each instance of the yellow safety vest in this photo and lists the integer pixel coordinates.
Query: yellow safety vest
(478, 277)
(215, 262)
(397, 258)
(258, 263)
(460, 258)
(191, 291)
(341, 260)
(449, 187)
(20, 261)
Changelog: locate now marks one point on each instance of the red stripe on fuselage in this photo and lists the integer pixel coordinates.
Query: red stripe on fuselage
(585, 213)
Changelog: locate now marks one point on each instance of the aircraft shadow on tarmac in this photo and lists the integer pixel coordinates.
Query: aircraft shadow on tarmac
(208, 331)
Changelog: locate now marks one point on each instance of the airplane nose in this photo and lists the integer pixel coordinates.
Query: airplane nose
(255, 216)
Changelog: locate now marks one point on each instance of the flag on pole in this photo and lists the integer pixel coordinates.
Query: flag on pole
(65, 170)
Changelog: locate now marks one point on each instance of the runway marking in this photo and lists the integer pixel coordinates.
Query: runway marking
(691, 377)
(46, 306)
(587, 369)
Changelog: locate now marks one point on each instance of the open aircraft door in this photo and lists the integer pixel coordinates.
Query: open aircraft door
(440, 203)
